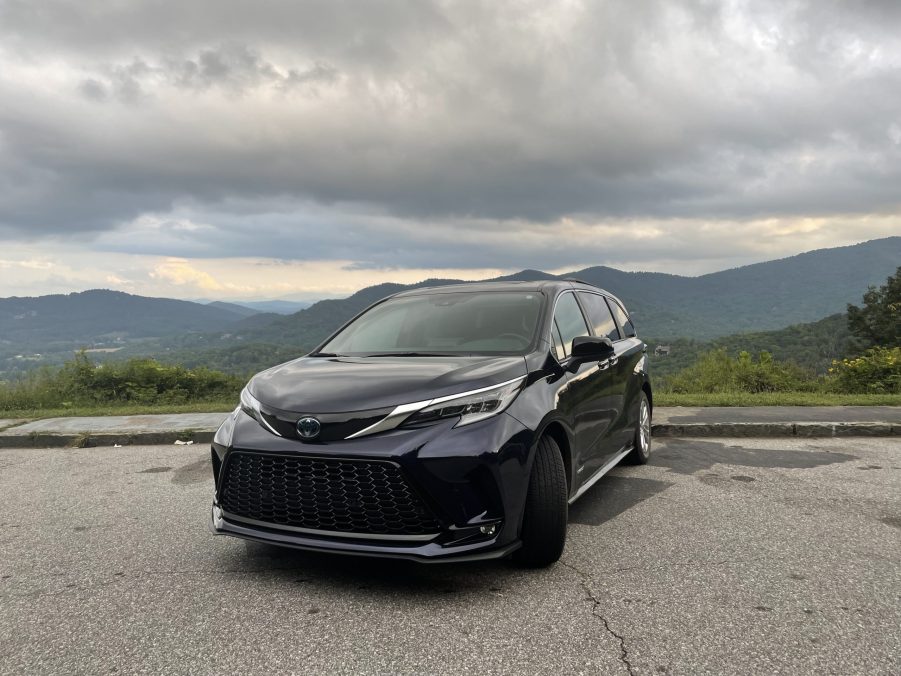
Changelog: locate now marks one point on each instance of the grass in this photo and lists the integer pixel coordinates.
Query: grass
(119, 409)
(776, 399)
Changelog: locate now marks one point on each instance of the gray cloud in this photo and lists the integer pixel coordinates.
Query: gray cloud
(372, 129)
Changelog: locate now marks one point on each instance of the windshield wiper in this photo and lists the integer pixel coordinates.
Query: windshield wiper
(326, 354)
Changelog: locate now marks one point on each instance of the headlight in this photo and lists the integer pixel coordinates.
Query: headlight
(470, 406)
(250, 405)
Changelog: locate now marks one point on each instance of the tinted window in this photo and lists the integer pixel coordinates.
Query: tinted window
(569, 320)
(623, 319)
(445, 323)
(599, 315)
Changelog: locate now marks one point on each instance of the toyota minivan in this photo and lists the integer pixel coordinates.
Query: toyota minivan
(447, 423)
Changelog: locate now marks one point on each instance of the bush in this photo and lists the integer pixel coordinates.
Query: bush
(80, 382)
(876, 371)
(717, 372)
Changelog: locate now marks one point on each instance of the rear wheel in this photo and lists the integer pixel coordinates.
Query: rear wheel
(641, 444)
(547, 510)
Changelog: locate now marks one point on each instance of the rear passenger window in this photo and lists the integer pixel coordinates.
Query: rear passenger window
(570, 321)
(623, 319)
(599, 315)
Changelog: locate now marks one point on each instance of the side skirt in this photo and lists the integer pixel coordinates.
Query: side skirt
(600, 473)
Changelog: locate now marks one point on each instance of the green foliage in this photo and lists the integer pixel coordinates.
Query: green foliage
(878, 322)
(876, 371)
(811, 346)
(717, 372)
(244, 360)
(82, 383)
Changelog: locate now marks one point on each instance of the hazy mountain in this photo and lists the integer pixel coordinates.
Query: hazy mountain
(279, 307)
(234, 308)
(769, 295)
(90, 318)
(754, 298)
(757, 297)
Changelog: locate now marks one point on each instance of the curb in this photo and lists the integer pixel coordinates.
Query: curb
(806, 429)
(664, 430)
(90, 440)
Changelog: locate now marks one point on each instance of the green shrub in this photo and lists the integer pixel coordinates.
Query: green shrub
(80, 382)
(876, 371)
(717, 372)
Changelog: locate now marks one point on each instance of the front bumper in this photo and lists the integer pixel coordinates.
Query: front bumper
(473, 479)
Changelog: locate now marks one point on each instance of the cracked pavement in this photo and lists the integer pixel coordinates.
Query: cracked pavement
(738, 556)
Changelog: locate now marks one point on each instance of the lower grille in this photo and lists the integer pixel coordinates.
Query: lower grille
(327, 494)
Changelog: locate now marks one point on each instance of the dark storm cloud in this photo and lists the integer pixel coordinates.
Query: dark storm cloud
(432, 116)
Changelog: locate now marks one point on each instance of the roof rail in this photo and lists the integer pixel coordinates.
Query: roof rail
(578, 281)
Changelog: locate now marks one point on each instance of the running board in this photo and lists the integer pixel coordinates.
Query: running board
(600, 473)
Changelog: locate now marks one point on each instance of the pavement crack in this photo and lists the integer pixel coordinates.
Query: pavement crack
(584, 579)
(693, 564)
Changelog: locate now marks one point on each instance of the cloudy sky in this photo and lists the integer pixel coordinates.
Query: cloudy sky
(301, 149)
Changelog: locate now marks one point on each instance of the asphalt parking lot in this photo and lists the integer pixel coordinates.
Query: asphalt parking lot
(722, 556)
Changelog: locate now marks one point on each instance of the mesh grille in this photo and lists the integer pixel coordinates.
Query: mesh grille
(352, 496)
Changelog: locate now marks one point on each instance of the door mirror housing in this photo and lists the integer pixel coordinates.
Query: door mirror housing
(592, 348)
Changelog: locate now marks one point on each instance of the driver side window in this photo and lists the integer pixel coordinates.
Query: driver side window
(569, 321)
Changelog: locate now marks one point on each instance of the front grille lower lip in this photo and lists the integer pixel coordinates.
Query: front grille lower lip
(325, 496)
(330, 533)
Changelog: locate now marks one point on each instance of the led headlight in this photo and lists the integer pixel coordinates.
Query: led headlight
(250, 405)
(470, 406)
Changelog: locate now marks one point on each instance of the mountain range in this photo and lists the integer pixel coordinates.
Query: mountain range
(754, 298)
(759, 297)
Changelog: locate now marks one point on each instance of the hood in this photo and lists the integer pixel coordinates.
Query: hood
(339, 384)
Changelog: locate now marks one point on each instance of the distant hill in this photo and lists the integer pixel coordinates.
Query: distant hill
(64, 322)
(758, 297)
(234, 308)
(754, 299)
(280, 307)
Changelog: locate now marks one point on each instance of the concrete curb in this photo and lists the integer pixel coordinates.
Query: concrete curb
(770, 429)
(664, 430)
(90, 440)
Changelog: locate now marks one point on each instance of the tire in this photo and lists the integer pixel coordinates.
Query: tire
(641, 443)
(546, 513)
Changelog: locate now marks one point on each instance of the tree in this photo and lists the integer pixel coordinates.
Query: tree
(878, 322)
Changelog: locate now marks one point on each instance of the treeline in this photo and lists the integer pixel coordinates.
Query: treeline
(877, 371)
(82, 383)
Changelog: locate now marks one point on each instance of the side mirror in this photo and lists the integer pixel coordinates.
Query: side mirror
(592, 348)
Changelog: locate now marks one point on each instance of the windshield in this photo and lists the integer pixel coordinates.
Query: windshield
(496, 322)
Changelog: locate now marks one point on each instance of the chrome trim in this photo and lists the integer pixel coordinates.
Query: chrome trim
(262, 420)
(600, 473)
(328, 533)
(404, 411)
(392, 420)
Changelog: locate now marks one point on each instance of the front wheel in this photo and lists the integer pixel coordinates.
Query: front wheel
(641, 444)
(544, 521)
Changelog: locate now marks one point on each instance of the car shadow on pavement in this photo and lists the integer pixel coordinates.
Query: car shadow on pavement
(689, 456)
(611, 496)
(379, 575)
